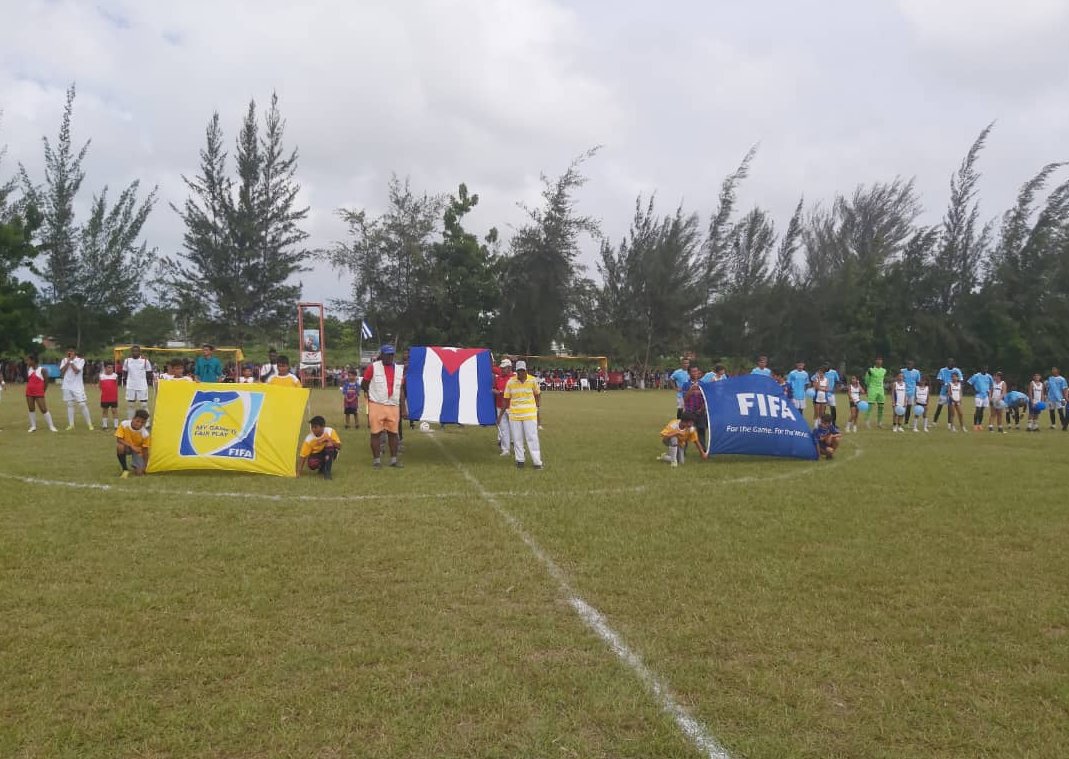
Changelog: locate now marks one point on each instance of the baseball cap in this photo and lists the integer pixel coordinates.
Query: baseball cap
(521, 365)
(505, 362)
(386, 348)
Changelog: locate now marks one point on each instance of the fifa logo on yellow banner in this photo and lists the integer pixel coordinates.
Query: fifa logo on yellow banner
(221, 424)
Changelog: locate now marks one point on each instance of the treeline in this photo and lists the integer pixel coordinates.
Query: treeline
(839, 281)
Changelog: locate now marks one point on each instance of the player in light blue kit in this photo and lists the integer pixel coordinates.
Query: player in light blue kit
(762, 367)
(1057, 389)
(981, 382)
(797, 381)
(945, 376)
(911, 375)
(680, 376)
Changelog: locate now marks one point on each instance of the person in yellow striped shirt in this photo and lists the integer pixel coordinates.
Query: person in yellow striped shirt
(284, 377)
(132, 439)
(523, 403)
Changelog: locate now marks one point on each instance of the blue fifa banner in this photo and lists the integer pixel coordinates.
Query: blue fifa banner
(750, 416)
(450, 385)
(246, 428)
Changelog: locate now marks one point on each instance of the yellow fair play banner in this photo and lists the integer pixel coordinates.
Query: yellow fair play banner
(243, 428)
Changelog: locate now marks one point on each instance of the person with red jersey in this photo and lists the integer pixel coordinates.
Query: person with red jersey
(504, 431)
(36, 383)
(109, 396)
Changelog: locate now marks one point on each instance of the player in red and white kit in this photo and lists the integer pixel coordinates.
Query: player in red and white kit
(36, 383)
(109, 396)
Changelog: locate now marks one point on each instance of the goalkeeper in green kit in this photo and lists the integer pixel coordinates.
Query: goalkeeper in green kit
(874, 391)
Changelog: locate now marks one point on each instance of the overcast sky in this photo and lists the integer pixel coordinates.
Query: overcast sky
(493, 92)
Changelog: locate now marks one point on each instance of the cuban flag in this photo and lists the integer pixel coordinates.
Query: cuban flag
(450, 385)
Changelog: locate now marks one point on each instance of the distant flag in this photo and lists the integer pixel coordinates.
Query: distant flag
(451, 385)
(365, 331)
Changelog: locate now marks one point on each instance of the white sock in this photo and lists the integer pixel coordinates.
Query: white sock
(85, 414)
(33, 420)
(48, 419)
(70, 414)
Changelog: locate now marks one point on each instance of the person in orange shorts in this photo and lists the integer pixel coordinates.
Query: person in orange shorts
(384, 385)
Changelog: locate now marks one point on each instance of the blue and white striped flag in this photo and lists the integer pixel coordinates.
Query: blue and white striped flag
(453, 385)
(365, 331)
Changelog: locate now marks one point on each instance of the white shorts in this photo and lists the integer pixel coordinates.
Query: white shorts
(942, 400)
(136, 395)
(73, 396)
(799, 403)
(1055, 404)
(982, 402)
(831, 398)
(911, 399)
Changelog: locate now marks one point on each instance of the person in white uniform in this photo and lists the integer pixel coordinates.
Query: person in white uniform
(72, 370)
(137, 368)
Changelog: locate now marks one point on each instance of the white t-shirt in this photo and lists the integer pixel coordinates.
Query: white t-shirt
(74, 380)
(267, 371)
(137, 370)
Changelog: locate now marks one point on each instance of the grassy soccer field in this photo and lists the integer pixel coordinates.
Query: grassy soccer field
(906, 600)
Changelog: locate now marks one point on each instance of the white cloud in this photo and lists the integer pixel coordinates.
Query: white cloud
(493, 92)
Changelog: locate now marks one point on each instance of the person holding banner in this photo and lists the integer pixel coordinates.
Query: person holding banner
(694, 404)
(826, 437)
(270, 369)
(208, 368)
(384, 386)
(284, 377)
(504, 430)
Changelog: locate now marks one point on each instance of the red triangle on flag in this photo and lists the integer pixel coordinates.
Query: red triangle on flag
(452, 358)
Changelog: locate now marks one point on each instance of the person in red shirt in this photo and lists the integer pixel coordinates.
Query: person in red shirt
(109, 396)
(504, 431)
(383, 384)
(36, 383)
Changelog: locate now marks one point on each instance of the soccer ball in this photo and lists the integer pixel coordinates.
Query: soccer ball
(862, 406)
(918, 410)
(810, 393)
(1040, 406)
(900, 410)
(1000, 405)
(424, 427)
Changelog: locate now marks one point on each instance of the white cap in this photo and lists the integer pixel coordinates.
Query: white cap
(505, 362)
(521, 365)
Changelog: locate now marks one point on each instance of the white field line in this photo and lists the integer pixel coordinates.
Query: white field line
(698, 734)
(107, 487)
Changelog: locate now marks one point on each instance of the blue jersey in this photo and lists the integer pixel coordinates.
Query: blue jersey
(912, 377)
(1016, 398)
(758, 370)
(820, 432)
(679, 376)
(797, 380)
(709, 377)
(981, 383)
(1056, 388)
(945, 376)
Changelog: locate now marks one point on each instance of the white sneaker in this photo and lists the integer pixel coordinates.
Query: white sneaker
(506, 453)
(675, 464)
(32, 429)
(53, 429)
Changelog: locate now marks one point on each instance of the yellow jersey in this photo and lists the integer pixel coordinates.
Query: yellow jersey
(521, 395)
(672, 429)
(137, 438)
(313, 444)
(286, 380)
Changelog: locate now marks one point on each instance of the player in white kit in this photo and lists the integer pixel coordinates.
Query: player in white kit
(137, 368)
(72, 370)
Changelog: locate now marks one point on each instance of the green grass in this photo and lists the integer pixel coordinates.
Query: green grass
(906, 600)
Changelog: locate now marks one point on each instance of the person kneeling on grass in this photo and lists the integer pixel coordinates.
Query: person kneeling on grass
(826, 436)
(132, 439)
(676, 435)
(319, 448)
